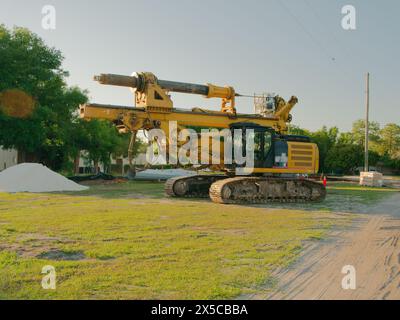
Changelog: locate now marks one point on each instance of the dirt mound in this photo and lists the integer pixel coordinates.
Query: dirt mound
(34, 177)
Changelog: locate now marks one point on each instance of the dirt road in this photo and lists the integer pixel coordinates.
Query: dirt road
(372, 246)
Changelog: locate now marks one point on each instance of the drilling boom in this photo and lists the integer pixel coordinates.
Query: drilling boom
(138, 82)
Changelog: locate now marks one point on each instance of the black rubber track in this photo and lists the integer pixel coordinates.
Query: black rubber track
(301, 190)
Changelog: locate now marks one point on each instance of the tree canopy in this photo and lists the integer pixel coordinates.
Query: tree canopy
(343, 152)
(32, 77)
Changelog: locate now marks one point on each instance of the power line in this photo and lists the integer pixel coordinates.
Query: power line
(314, 39)
(333, 36)
(302, 26)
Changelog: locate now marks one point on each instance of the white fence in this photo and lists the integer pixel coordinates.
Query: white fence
(8, 158)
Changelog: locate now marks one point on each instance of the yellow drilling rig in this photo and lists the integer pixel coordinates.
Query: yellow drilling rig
(281, 161)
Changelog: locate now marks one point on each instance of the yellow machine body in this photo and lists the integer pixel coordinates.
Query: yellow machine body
(154, 109)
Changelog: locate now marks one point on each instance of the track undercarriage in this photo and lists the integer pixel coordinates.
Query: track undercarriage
(241, 190)
(191, 186)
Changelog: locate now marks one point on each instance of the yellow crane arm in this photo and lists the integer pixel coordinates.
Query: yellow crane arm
(154, 106)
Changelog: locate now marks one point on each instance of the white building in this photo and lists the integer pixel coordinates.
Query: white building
(122, 163)
(8, 158)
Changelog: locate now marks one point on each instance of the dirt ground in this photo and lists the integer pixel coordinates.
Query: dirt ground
(371, 245)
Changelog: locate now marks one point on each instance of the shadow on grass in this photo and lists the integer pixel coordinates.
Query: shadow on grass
(124, 190)
(357, 200)
(341, 197)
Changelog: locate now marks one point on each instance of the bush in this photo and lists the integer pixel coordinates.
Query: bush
(344, 158)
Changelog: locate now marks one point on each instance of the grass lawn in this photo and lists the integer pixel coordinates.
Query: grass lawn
(128, 241)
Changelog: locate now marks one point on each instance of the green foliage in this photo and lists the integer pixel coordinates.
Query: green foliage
(358, 132)
(345, 138)
(325, 139)
(29, 65)
(52, 134)
(343, 152)
(390, 140)
(100, 139)
(344, 158)
(296, 130)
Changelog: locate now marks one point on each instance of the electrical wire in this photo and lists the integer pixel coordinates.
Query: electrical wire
(314, 39)
(302, 26)
(333, 36)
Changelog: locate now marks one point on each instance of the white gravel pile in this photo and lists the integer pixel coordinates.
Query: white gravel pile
(34, 177)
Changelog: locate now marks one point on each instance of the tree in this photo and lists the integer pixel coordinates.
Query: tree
(345, 138)
(390, 140)
(98, 138)
(344, 158)
(325, 139)
(334, 146)
(101, 140)
(32, 68)
(358, 132)
(296, 130)
(31, 75)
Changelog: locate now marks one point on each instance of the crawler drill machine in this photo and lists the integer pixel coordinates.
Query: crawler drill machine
(281, 161)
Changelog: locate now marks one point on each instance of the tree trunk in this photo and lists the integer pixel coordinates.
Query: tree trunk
(24, 156)
(96, 167)
(76, 164)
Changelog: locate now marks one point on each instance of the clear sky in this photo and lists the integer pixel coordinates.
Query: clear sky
(288, 47)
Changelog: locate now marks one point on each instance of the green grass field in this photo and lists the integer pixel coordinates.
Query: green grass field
(128, 241)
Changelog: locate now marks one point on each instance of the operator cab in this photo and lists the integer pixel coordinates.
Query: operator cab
(270, 148)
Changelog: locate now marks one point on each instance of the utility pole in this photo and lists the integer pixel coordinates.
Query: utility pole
(366, 167)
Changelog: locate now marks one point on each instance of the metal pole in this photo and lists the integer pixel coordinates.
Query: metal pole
(366, 166)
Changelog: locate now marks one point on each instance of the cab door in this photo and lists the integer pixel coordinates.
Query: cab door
(263, 144)
(262, 148)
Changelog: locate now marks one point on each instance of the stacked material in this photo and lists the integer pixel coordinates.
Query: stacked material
(371, 179)
(153, 174)
(34, 177)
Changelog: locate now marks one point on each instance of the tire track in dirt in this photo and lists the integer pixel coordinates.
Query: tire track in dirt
(372, 246)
